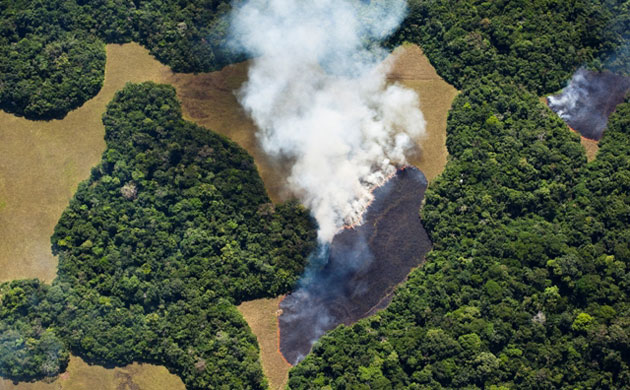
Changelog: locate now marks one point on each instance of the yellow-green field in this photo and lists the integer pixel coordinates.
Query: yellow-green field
(81, 376)
(41, 164)
(412, 69)
(262, 317)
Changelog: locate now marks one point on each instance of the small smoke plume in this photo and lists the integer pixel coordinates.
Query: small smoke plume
(566, 103)
(317, 91)
(589, 99)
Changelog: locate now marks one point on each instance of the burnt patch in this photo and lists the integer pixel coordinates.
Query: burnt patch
(357, 274)
(589, 99)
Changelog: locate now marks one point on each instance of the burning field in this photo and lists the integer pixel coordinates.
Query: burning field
(358, 272)
(589, 99)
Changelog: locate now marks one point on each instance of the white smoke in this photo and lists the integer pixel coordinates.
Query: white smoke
(317, 91)
(576, 91)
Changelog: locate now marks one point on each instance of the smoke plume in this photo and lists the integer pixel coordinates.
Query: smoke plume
(589, 99)
(317, 91)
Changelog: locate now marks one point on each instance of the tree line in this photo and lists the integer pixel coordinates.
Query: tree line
(171, 231)
(52, 53)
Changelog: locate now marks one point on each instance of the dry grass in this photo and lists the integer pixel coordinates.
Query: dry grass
(41, 164)
(81, 376)
(413, 70)
(262, 317)
(209, 100)
(590, 147)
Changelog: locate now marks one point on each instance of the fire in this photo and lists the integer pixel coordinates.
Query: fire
(359, 222)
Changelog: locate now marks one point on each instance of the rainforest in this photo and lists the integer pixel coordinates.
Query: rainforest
(350, 194)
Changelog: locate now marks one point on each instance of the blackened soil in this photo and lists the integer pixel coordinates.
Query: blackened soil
(359, 272)
(602, 93)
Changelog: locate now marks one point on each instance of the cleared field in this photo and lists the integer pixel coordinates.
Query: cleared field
(262, 317)
(412, 69)
(82, 376)
(41, 164)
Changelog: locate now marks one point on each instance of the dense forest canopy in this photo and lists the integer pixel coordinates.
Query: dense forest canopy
(52, 53)
(169, 233)
(537, 44)
(528, 283)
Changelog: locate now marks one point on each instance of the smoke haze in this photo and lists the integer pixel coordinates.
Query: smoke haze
(317, 92)
(589, 99)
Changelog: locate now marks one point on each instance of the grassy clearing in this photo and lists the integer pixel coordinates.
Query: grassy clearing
(412, 69)
(209, 100)
(591, 147)
(41, 164)
(262, 317)
(81, 375)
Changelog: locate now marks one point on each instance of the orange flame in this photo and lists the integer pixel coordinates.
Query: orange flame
(360, 221)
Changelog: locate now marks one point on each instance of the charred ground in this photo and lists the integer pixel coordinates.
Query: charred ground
(361, 267)
(589, 99)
